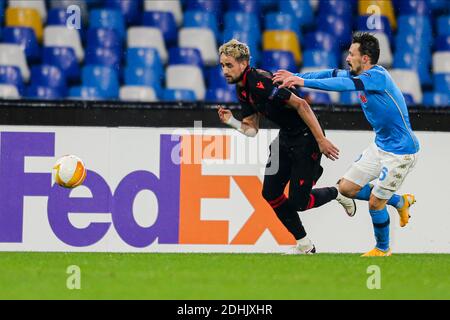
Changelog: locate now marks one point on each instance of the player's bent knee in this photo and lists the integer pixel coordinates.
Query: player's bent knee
(347, 189)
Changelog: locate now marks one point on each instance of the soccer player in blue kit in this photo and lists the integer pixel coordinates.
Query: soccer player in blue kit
(393, 154)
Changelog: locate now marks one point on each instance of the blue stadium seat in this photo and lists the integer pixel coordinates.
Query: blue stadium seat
(438, 6)
(321, 41)
(301, 9)
(409, 99)
(282, 21)
(48, 76)
(107, 57)
(104, 78)
(11, 75)
(443, 26)
(243, 21)
(436, 99)
(337, 7)
(200, 19)
(102, 37)
(413, 61)
(249, 6)
(443, 43)
(57, 17)
(248, 37)
(65, 59)
(215, 78)
(338, 26)
(44, 93)
(417, 25)
(378, 24)
(86, 93)
(213, 6)
(24, 37)
(413, 7)
(165, 21)
(442, 82)
(221, 95)
(108, 18)
(131, 9)
(276, 60)
(318, 58)
(185, 56)
(318, 97)
(143, 76)
(145, 57)
(171, 95)
(411, 44)
(349, 98)
(2, 14)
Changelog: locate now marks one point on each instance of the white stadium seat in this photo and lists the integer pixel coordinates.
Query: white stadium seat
(441, 62)
(138, 93)
(147, 37)
(60, 36)
(39, 5)
(9, 92)
(13, 55)
(202, 39)
(385, 50)
(186, 77)
(408, 82)
(334, 96)
(173, 6)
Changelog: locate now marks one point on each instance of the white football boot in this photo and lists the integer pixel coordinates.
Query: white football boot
(306, 248)
(348, 204)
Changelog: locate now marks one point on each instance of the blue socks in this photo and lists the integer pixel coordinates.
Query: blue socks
(364, 194)
(381, 221)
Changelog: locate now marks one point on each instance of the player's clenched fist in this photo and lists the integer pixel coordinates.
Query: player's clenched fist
(224, 114)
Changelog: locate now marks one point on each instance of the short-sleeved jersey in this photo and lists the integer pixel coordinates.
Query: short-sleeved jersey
(260, 95)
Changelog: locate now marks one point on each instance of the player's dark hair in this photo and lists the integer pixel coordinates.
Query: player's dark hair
(368, 45)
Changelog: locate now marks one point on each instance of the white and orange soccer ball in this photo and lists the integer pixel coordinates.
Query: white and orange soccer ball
(69, 171)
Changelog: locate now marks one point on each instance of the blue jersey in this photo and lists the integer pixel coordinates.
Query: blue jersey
(381, 100)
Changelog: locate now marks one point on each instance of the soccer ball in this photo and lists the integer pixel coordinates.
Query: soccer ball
(69, 171)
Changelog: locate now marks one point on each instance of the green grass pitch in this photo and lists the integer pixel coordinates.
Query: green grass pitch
(222, 276)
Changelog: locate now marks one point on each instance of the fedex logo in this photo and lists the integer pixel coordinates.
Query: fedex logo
(179, 190)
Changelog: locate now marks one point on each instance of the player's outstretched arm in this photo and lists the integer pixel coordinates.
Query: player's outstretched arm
(249, 125)
(308, 116)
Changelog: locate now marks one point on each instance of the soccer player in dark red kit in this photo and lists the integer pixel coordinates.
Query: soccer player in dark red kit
(300, 143)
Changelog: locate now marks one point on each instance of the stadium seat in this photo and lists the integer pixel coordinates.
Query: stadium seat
(104, 78)
(172, 95)
(65, 59)
(107, 57)
(245, 37)
(145, 57)
(137, 93)
(165, 21)
(441, 62)
(108, 18)
(443, 43)
(337, 7)
(213, 6)
(416, 25)
(26, 38)
(413, 7)
(199, 19)
(13, 55)
(49, 76)
(59, 36)
(443, 25)
(409, 100)
(317, 58)
(186, 77)
(24, 17)
(57, 17)
(147, 37)
(244, 22)
(8, 91)
(143, 76)
(221, 95)
(249, 6)
(130, 9)
(413, 61)
(301, 9)
(173, 6)
(282, 40)
(38, 5)
(215, 78)
(383, 7)
(338, 26)
(408, 82)
(410, 44)
(349, 98)
(442, 82)
(85, 93)
(275, 60)
(11, 75)
(65, 4)
(185, 56)
(282, 21)
(385, 58)
(201, 39)
(436, 99)
(375, 24)
(104, 38)
(43, 93)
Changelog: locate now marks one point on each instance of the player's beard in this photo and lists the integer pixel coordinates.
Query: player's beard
(354, 71)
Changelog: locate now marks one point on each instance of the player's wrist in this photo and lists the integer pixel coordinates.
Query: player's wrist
(234, 123)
